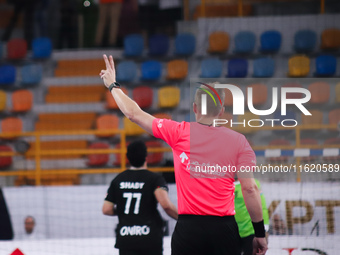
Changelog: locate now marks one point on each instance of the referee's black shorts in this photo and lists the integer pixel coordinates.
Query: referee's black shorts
(206, 235)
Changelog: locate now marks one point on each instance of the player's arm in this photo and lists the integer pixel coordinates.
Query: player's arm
(164, 200)
(128, 107)
(108, 208)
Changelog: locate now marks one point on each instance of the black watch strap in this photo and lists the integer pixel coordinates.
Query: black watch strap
(114, 85)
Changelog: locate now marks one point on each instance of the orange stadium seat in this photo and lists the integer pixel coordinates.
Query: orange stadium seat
(49, 180)
(330, 38)
(218, 42)
(11, 124)
(337, 92)
(177, 69)
(293, 95)
(22, 100)
(312, 120)
(131, 128)
(5, 161)
(98, 159)
(79, 67)
(143, 96)
(3, 100)
(298, 66)
(154, 158)
(110, 101)
(320, 92)
(168, 97)
(107, 122)
(259, 93)
(228, 99)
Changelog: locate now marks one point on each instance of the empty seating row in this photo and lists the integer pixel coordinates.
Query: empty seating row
(30, 74)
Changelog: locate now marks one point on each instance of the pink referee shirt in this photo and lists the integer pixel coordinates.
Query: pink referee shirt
(195, 147)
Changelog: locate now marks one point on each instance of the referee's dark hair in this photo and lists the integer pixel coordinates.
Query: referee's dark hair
(136, 153)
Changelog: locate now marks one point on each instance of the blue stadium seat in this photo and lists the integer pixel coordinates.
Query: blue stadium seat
(7, 74)
(237, 68)
(151, 70)
(133, 45)
(158, 45)
(289, 115)
(31, 74)
(270, 41)
(304, 41)
(42, 47)
(211, 68)
(126, 71)
(244, 42)
(325, 65)
(185, 44)
(263, 67)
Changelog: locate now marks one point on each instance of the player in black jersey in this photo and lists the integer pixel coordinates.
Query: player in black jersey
(133, 196)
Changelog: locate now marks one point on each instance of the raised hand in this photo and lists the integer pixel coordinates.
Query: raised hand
(109, 75)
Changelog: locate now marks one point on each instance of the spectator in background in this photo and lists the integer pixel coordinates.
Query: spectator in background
(128, 22)
(277, 226)
(171, 12)
(68, 31)
(30, 234)
(109, 11)
(28, 8)
(149, 17)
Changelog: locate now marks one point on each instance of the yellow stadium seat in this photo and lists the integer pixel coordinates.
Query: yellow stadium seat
(168, 97)
(177, 69)
(131, 128)
(3, 100)
(337, 93)
(218, 42)
(247, 129)
(298, 66)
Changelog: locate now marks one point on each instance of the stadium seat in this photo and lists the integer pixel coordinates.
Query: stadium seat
(293, 95)
(11, 124)
(16, 49)
(42, 47)
(320, 92)
(31, 74)
(330, 39)
(154, 158)
(260, 93)
(237, 68)
(151, 70)
(247, 129)
(110, 101)
(143, 96)
(22, 101)
(7, 74)
(332, 142)
(278, 144)
(263, 67)
(158, 45)
(289, 115)
(185, 44)
(3, 100)
(244, 42)
(298, 66)
(168, 97)
(334, 117)
(304, 41)
(131, 128)
(133, 45)
(162, 115)
(5, 161)
(325, 65)
(228, 99)
(270, 41)
(312, 120)
(177, 69)
(337, 92)
(211, 68)
(126, 71)
(308, 143)
(118, 159)
(98, 159)
(107, 122)
(218, 42)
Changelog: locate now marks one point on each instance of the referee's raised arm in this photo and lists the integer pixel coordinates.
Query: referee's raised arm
(128, 107)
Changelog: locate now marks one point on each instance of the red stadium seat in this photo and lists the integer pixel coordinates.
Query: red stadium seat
(259, 93)
(98, 159)
(16, 49)
(154, 158)
(118, 160)
(5, 161)
(143, 96)
(293, 95)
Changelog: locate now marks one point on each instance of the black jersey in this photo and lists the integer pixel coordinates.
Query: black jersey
(140, 224)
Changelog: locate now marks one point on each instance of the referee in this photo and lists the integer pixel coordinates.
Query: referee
(133, 196)
(206, 223)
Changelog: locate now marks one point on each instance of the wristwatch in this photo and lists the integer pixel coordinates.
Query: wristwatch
(114, 85)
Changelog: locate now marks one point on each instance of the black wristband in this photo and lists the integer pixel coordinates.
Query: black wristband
(259, 229)
(114, 85)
